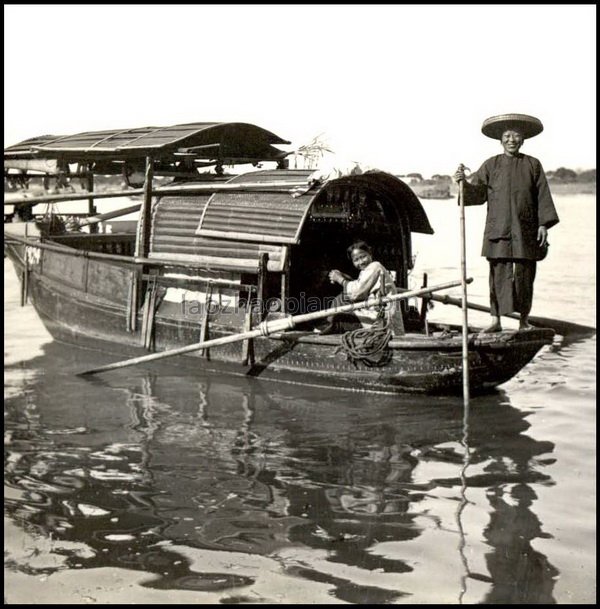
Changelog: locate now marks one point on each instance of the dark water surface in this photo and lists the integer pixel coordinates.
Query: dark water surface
(352, 497)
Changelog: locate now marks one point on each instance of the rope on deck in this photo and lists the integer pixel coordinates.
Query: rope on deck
(368, 346)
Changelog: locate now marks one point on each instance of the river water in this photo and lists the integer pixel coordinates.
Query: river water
(146, 486)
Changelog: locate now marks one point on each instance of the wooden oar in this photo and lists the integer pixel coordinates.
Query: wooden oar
(266, 328)
(564, 328)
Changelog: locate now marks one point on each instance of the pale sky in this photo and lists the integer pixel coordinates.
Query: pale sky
(401, 88)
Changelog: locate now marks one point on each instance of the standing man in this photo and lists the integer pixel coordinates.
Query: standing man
(520, 212)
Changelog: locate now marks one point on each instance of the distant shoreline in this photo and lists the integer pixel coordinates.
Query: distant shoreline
(573, 188)
(425, 189)
(446, 190)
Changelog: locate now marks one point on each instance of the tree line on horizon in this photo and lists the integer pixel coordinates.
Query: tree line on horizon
(562, 174)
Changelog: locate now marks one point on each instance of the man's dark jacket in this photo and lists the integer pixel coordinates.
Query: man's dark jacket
(519, 201)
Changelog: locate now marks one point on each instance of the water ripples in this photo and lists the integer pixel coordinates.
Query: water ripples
(233, 468)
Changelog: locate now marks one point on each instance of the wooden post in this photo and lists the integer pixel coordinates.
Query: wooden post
(149, 311)
(91, 207)
(248, 345)
(128, 313)
(262, 284)
(145, 221)
(285, 287)
(25, 273)
(424, 303)
(204, 322)
(141, 247)
(152, 296)
(135, 290)
(285, 284)
(145, 313)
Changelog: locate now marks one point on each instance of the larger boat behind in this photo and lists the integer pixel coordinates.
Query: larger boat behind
(215, 256)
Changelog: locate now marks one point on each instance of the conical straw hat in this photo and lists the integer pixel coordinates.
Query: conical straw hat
(495, 126)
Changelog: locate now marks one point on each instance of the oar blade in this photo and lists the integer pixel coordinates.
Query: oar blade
(562, 327)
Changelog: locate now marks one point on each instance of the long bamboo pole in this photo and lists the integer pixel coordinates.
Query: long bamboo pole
(197, 264)
(266, 328)
(74, 196)
(463, 271)
(107, 216)
(163, 190)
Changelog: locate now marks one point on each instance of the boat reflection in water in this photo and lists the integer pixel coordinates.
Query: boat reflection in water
(369, 494)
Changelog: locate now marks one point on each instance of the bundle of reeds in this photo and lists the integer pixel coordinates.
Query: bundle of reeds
(312, 152)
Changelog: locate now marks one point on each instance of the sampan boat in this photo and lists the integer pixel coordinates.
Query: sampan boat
(213, 256)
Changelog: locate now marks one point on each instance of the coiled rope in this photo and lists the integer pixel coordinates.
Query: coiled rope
(368, 346)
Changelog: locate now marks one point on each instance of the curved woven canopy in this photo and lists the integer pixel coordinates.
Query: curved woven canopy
(223, 141)
(278, 217)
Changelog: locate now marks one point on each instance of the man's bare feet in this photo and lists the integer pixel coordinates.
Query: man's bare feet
(524, 323)
(495, 327)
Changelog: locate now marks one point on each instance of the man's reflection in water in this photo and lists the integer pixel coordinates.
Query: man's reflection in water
(520, 574)
(517, 573)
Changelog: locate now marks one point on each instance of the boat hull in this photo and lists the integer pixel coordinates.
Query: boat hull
(423, 364)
